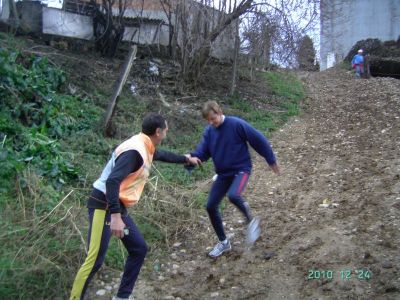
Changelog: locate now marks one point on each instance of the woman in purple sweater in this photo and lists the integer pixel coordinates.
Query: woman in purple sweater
(226, 140)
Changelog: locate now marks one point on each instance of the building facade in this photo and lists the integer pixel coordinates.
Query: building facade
(344, 22)
(147, 22)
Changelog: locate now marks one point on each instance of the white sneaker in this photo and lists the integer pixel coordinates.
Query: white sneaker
(118, 298)
(220, 248)
(253, 231)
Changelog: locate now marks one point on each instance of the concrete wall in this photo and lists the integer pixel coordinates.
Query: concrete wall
(344, 22)
(223, 47)
(4, 10)
(149, 34)
(62, 23)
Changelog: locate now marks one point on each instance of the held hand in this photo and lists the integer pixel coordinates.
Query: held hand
(117, 225)
(195, 161)
(275, 168)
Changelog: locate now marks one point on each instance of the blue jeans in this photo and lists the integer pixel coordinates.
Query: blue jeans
(359, 70)
(233, 186)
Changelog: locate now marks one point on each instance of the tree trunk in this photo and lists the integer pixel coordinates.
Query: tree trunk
(235, 60)
(108, 30)
(16, 22)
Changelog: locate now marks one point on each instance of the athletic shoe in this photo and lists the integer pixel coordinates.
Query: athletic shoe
(248, 214)
(220, 248)
(118, 298)
(253, 231)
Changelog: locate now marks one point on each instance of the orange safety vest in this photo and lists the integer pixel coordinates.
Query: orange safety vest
(132, 186)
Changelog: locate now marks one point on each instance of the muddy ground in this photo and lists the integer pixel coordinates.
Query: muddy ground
(344, 151)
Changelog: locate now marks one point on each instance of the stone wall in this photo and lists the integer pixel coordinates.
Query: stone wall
(62, 23)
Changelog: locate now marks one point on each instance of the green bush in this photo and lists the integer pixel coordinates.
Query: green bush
(39, 242)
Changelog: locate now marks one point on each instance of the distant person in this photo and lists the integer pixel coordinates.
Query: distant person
(120, 185)
(358, 63)
(225, 141)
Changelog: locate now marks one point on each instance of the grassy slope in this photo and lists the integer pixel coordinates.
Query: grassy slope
(52, 150)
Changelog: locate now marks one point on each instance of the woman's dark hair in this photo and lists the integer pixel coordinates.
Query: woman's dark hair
(151, 122)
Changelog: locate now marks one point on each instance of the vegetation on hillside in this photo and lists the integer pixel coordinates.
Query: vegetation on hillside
(51, 151)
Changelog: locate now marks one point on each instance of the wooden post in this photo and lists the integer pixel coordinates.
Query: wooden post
(117, 90)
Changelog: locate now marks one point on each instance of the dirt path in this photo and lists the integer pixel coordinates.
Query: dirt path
(344, 149)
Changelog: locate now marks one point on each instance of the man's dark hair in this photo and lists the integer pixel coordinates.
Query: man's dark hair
(151, 122)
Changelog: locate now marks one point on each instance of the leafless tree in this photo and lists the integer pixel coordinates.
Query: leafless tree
(109, 25)
(235, 61)
(259, 29)
(197, 26)
(9, 8)
(273, 29)
(168, 7)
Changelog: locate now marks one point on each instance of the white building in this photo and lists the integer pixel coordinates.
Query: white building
(344, 22)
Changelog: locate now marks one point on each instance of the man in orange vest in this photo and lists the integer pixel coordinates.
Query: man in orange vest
(120, 186)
